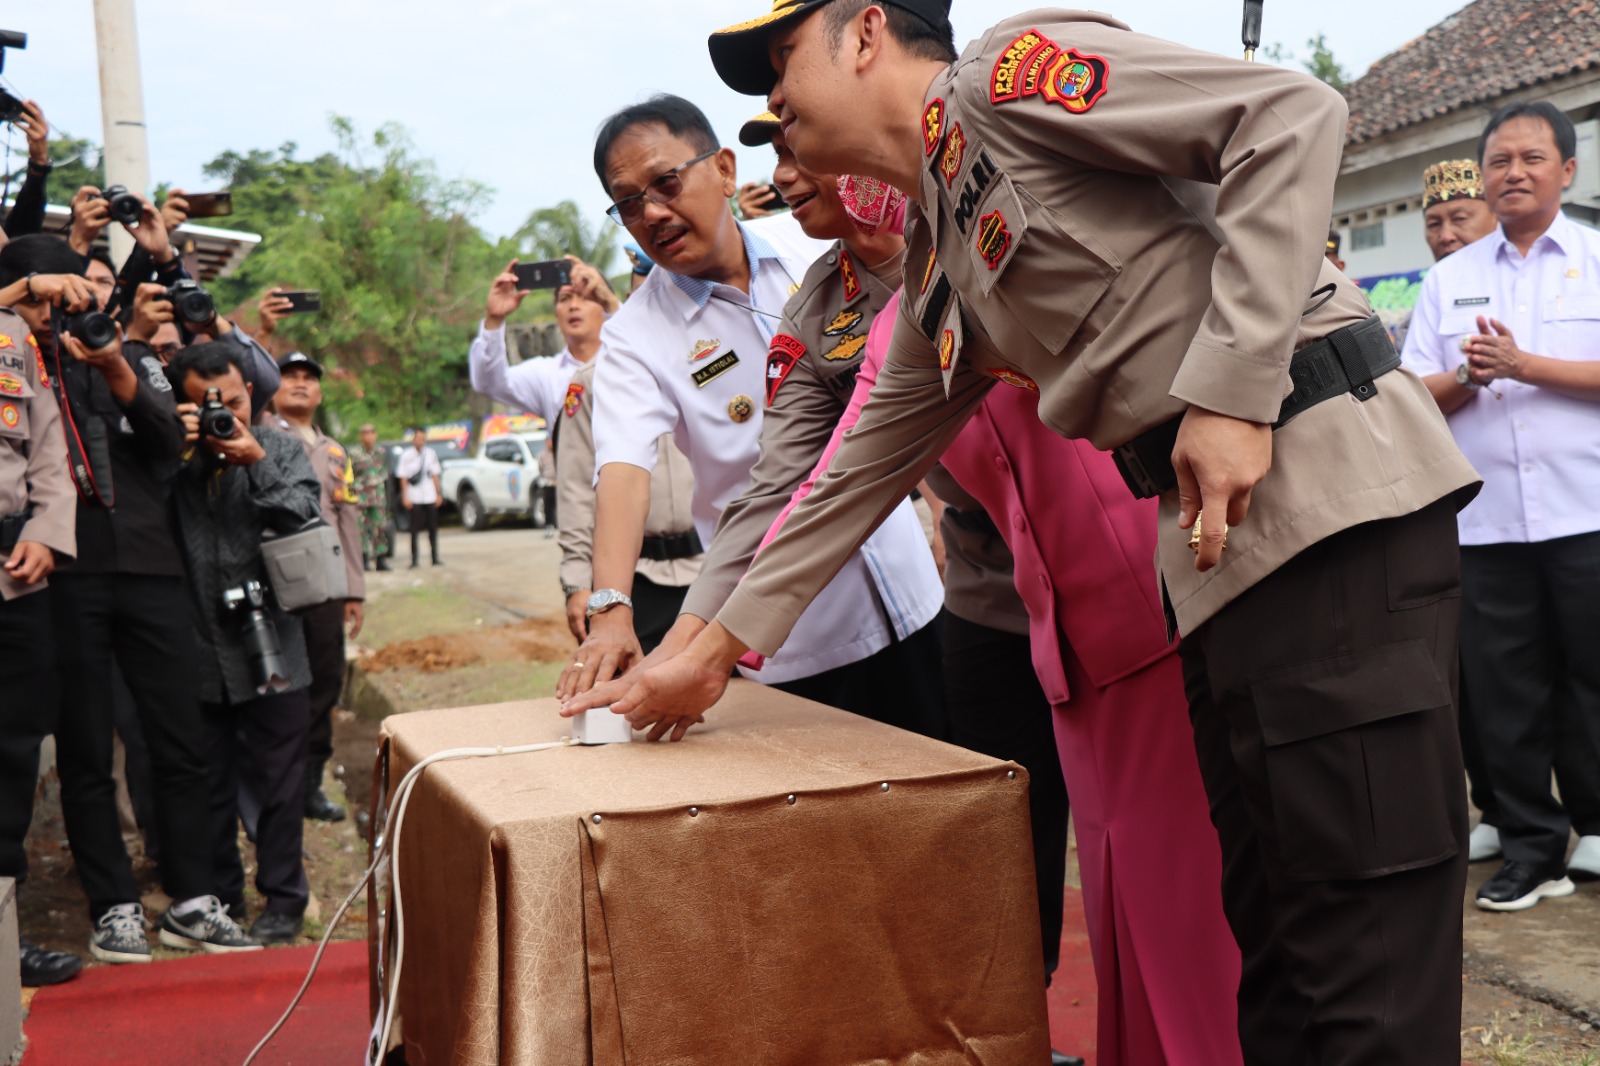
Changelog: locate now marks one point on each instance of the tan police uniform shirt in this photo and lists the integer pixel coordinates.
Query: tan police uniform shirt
(671, 492)
(339, 507)
(33, 454)
(1128, 227)
(811, 373)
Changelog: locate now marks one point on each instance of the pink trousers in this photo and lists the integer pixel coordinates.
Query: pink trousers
(1165, 961)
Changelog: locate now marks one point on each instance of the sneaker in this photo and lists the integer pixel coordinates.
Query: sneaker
(1483, 844)
(277, 928)
(41, 967)
(208, 929)
(1585, 862)
(1516, 886)
(119, 935)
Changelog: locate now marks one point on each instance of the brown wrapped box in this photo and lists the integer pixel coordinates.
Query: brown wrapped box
(789, 885)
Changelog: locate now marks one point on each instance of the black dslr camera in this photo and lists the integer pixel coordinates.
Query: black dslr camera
(248, 603)
(10, 106)
(93, 328)
(216, 421)
(191, 304)
(126, 207)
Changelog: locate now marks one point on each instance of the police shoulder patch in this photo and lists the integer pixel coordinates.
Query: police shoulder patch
(786, 351)
(155, 373)
(1004, 81)
(1075, 81)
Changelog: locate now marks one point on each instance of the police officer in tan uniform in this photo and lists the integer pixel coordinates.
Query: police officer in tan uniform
(1135, 230)
(38, 511)
(671, 553)
(297, 401)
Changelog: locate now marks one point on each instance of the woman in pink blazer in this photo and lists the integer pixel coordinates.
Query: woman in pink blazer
(1165, 961)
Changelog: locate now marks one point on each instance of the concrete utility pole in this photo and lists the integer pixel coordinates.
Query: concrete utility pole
(127, 154)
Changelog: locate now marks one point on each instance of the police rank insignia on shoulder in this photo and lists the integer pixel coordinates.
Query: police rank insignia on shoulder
(932, 125)
(849, 347)
(786, 351)
(1034, 65)
(842, 323)
(955, 150)
(847, 273)
(6, 342)
(715, 369)
(574, 399)
(994, 238)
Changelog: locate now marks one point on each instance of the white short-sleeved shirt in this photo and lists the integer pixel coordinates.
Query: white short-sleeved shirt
(538, 386)
(411, 461)
(688, 357)
(1537, 450)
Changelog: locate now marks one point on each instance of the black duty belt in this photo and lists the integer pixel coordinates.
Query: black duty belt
(1345, 361)
(671, 546)
(11, 527)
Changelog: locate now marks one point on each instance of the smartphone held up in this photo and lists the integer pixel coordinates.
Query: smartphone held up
(550, 274)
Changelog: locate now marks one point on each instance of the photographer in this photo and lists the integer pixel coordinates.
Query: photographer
(123, 603)
(418, 470)
(27, 210)
(234, 485)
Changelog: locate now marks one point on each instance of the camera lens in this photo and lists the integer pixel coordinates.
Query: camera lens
(216, 421)
(93, 329)
(191, 303)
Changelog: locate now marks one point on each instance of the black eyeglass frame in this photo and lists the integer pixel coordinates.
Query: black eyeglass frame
(616, 210)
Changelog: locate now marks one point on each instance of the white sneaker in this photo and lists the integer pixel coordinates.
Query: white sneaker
(119, 935)
(1585, 862)
(1484, 844)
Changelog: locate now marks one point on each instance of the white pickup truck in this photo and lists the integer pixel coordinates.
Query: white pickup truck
(503, 480)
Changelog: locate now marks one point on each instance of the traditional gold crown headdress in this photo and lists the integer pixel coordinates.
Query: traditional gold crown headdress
(1455, 179)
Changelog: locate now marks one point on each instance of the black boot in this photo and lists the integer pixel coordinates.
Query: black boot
(319, 808)
(383, 562)
(41, 967)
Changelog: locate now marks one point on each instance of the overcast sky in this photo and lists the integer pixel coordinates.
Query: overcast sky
(506, 92)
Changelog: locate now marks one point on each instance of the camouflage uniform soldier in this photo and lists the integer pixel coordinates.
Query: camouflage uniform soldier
(371, 468)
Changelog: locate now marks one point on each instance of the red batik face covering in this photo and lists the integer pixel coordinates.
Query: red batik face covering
(872, 205)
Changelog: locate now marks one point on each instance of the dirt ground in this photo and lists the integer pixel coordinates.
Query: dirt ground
(488, 627)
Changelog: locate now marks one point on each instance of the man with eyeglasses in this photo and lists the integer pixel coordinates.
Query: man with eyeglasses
(687, 355)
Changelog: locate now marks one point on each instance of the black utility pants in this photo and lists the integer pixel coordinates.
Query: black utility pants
(1530, 647)
(425, 516)
(27, 716)
(324, 628)
(655, 610)
(899, 686)
(1323, 703)
(260, 746)
(142, 625)
(997, 708)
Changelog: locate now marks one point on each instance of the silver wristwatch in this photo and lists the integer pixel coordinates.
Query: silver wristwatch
(603, 600)
(1464, 377)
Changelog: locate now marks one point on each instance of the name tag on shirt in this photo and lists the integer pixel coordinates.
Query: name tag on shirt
(715, 369)
(1472, 301)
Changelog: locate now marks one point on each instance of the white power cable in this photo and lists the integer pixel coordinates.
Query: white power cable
(389, 849)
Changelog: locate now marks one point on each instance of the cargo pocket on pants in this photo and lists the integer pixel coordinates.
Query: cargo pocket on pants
(1354, 762)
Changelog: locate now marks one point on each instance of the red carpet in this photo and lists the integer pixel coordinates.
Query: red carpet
(211, 1010)
(1071, 993)
(205, 1011)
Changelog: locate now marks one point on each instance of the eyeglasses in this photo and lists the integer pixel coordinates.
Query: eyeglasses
(663, 189)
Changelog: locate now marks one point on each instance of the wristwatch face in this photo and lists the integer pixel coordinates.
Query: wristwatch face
(605, 598)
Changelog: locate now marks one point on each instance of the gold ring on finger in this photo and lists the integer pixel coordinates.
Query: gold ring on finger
(1196, 532)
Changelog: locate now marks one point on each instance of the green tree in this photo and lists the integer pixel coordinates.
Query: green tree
(392, 249)
(552, 232)
(1323, 66)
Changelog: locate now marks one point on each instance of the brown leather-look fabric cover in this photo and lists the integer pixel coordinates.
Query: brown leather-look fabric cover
(856, 925)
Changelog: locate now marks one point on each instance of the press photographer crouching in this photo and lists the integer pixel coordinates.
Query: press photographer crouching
(234, 486)
(122, 604)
